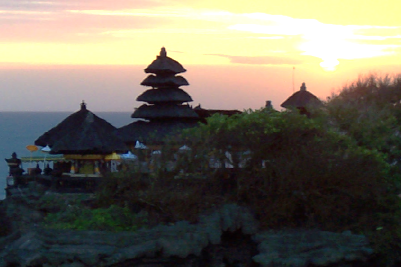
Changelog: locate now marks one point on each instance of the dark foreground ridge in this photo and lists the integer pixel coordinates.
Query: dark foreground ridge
(227, 236)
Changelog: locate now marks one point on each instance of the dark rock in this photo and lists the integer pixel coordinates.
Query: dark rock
(310, 247)
(227, 236)
(180, 242)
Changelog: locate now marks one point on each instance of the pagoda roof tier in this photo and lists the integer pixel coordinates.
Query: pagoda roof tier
(164, 95)
(161, 81)
(164, 64)
(165, 111)
(152, 132)
(302, 99)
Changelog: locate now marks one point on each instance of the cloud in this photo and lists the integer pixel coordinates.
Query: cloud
(59, 5)
(248, 36)
(268, 60)
(327, 41)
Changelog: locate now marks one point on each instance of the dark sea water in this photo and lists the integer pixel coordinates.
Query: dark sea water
(19, 129)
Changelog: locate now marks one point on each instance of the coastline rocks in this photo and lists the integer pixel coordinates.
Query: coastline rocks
(44, 247)
(226, 237)
(310, 247)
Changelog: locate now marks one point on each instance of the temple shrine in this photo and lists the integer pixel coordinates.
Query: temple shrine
(166, 109)
(302, 100)
(89, 146)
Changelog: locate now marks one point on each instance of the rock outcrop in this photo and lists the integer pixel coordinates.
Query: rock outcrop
(299, 248)
(226, 237)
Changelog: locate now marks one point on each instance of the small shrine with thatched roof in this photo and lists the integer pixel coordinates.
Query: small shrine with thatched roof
(302, 100)
(85, 140)
(167, 106)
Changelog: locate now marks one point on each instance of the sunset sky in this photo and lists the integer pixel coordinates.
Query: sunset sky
(238, 54)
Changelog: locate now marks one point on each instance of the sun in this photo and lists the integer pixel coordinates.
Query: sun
(328, 50)
(331, 50)
(329, 64)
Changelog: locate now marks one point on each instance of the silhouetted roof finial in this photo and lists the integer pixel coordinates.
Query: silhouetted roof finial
(83, 105)
(163, 52)
(303, 87)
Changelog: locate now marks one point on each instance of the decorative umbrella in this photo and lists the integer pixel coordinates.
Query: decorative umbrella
(31, 148)
(184, 148)
(113, 156)
(128, 156)
(139, 145)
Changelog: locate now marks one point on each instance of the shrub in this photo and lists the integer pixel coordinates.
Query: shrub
(295, 172)
(113, 219)
(300, 171)
(166, 198)
(5, 223)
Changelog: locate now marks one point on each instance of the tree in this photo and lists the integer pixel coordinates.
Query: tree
(300, 171)
(369, 111)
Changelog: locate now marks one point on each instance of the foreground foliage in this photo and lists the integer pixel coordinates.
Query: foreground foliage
(299, 172)
(337, 170)
(163, 198)
(113, 218)
(296, 172)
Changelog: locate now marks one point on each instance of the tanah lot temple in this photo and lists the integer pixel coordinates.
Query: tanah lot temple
(84, 146)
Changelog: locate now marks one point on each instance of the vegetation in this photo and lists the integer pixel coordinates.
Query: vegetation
(337, 170)
(163, 198)
(369, 111)
(299, 172)
(5, 224)
(113, 218)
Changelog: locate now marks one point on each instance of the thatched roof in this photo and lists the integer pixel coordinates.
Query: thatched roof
(89, 139)
(302, 99)
(80, 133)
(162, 81)
(204, 113)
(163, 95)
(151, 132)
(164, 64)
(165, 111)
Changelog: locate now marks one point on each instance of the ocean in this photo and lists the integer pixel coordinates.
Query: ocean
(19, 129)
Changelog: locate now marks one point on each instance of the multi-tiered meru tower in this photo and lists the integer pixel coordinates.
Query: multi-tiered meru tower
(167, 106)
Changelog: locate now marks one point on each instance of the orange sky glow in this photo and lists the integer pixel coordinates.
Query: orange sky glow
(238, 54)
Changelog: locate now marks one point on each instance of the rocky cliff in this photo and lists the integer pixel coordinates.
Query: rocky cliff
(227, 236)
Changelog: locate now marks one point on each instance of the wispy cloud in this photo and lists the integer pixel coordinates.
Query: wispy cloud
(326, 41)
(248, 38)
(278, 59)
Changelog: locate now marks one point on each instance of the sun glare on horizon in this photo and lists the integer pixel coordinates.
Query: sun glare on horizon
(329, 42)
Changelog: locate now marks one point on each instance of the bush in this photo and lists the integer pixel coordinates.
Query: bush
(5, 224)
(103, 219)
(298, 172)
(292, 171)
(165, 198)
(369, 111)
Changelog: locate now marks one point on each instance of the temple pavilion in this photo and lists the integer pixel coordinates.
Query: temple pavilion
(166, 109)
(85, 140)
(302, 100)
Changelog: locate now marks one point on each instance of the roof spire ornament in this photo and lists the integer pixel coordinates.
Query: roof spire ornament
(303, 87)
(163, 52)
(83, 105)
